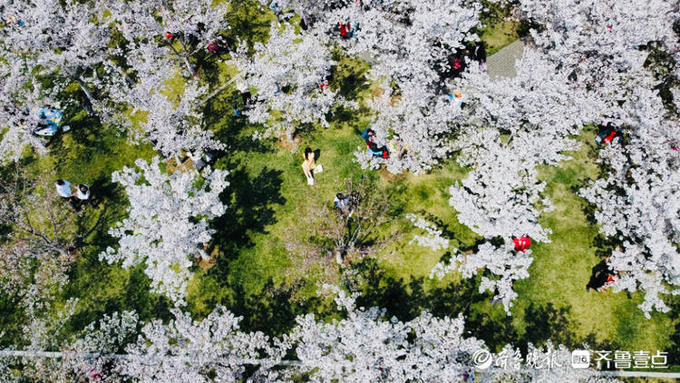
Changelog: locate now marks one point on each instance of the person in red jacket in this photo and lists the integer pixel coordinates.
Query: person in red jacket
(522, 243)
(345, 30)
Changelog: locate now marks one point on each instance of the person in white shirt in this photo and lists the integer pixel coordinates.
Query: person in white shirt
(82, 196)
(64, 191)
(83, 192)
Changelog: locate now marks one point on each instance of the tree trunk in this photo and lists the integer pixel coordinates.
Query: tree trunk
(190, 68)
(338, 257)
(290, 134)
(88, 94)
(221, 88)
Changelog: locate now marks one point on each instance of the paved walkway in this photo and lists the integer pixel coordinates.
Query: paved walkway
(502, 63)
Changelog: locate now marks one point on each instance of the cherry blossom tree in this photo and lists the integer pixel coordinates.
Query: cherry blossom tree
(501, 261)
(95, 355)
(289, 73)
(180, 28)
(416, 127)
(408, 43)
(501, 196)
(604, 45)
(349, 235)
(18, 116)
(45, 46)
(173, 125)
(405, 41)
(532, 117)
(637, 201)
(153, 41)
(592, 36)
(30, 207)
(433, 237)
(365, 346)
(214, 349)
(54, 38)
(167, 223)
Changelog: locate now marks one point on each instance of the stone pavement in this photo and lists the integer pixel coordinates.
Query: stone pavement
(502, 63)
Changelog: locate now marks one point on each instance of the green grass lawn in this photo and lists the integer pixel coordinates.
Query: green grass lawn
(397, 277)
(499, 35)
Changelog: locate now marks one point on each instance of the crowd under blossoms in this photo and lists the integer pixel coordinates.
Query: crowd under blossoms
(586, 63)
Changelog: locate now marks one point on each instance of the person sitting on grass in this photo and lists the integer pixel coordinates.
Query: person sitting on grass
(220, 46)
(237, 111)
(522, 243)
(369, 137)
(308, 165)
(600, 278)
(341, 202)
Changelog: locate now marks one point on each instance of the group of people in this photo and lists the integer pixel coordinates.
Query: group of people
(76, 198)
(45, 123)
(220, 46)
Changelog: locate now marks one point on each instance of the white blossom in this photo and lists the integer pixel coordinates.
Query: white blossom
(167, 223)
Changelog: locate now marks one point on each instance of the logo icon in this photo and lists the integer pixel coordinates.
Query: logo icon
(580, 359)
(482, 359)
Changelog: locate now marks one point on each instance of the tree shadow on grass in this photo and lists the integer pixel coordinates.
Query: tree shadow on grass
(249, 199)
(207, 63)
(407, 299)
(342, 118)
(349, 78)
(605, 245)
(85, 131)
(11, 320)
(235, 132)
(247, 19)
(674, 313)
(106, 207)
(274, 313)
(548, 322)
(92, 283)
